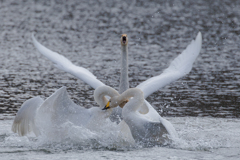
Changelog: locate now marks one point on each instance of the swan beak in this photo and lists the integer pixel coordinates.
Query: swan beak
(107, 106)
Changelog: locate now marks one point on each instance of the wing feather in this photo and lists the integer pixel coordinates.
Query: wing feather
(36, 114)
(66, 65)
(59, 108)
(178, 68)
(24, 121)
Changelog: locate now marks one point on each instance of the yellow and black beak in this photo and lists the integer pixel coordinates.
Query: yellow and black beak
(107, 106)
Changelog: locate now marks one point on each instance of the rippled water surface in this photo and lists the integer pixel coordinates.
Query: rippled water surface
(88, 33)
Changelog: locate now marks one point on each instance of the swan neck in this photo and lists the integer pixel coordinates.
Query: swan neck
(134, 103)
(101, 92)
(124, 84)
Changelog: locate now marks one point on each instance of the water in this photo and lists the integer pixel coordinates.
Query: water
(199, 138)
(88, 33)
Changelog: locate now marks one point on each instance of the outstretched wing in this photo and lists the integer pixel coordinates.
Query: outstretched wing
(64, 64)
(178, 68)
(24, 121)
(59, 108)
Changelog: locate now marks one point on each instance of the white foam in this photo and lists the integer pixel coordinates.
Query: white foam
(195, 134)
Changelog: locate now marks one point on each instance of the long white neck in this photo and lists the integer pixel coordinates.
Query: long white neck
(134, 103)
(101, 92)
(124, 84)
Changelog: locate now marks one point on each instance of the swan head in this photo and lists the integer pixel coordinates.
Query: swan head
(124, 40)
(114, 102)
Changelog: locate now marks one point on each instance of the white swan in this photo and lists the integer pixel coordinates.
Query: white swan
(143, 128)
(178, 68)
(59, 108)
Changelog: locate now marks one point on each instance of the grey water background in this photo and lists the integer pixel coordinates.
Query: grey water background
(88, 33)
(202, 106)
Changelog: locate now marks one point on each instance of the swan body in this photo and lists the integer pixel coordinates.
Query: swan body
(143, 128)
(59, 108)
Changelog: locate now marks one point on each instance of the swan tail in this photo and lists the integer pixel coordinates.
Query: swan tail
(183, 63)
(24, 121)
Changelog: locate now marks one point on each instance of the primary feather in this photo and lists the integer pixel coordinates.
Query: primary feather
(178, 68)
(64, 64)
(24, 121)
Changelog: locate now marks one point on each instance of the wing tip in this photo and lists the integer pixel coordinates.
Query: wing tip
(199, 34)
(199, 39)
(21, 127)
(33, 37)
(35, 42)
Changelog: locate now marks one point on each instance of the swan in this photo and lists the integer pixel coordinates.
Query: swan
(178, 68)
(59, 108)
(143, 128)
